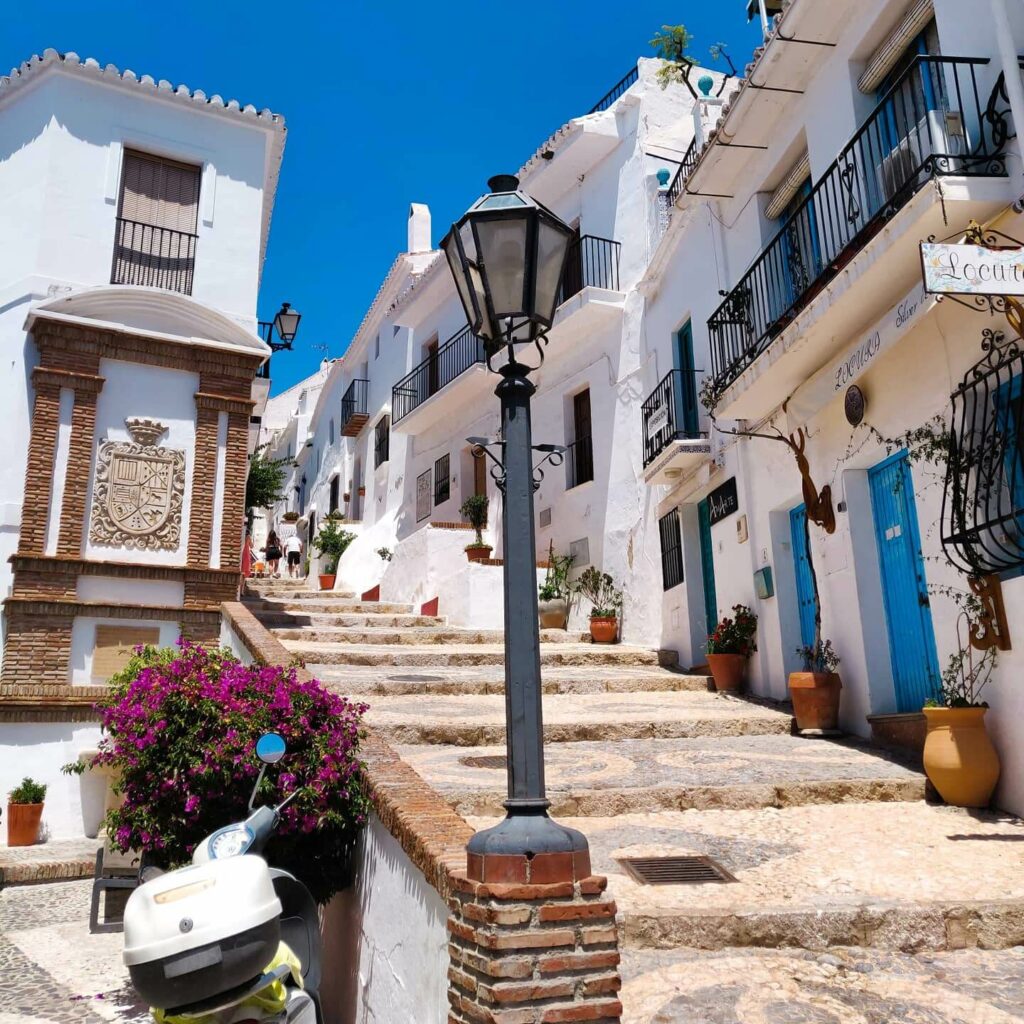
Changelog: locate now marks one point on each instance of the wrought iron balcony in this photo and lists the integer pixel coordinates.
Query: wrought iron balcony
(353, 407)
(670, 413)
(678, 183)
(153, 257)
(592, 262)
(439, 369)
(628, 79)
(579, 462)
(933, 121)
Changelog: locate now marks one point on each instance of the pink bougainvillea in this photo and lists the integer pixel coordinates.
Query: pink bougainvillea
(181, 727)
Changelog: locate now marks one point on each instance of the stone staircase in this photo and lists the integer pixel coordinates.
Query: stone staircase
(831, 844)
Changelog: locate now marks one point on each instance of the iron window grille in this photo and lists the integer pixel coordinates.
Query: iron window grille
(442, 480)
(671, 550)
(381, 441)
(983, 497)
(933, 121)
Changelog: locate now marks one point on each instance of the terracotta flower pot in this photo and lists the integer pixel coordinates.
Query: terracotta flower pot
(327, 580)
(23, 824)
(553, 614)
(478, 552)
(959, 757)
(815, 697)
(729, 671)
(604, 629)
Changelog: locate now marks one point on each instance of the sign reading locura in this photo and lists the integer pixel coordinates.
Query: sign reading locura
(964, 269)
(723, 501)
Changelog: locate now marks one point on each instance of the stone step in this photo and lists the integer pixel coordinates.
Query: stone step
(480, 720)
(337, 606)
(414, 637)
(712, 772)
(813, 877)
(367, 620)
(301, 594)
(846, 985)
(315, 654)
(456, 679)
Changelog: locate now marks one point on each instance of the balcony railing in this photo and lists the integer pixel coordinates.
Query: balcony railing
(670, 413)
(439, 369)
(616, 91)
(933, 121)
(678, 183)
(592, 262)
(353, 404)
(579, 462)
(153, 257)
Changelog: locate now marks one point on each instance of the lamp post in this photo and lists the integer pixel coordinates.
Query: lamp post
(507, 255)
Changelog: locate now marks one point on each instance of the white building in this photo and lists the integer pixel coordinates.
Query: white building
(792, 260)
(141, 213)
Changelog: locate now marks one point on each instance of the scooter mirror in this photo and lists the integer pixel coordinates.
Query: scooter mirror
(270, 748)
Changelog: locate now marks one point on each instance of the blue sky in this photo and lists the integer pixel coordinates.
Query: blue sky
(386, 104)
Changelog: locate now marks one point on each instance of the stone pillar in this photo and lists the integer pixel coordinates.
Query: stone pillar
(532, 954)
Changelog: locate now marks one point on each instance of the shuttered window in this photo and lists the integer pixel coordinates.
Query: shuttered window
(671, 550)
(157, 218)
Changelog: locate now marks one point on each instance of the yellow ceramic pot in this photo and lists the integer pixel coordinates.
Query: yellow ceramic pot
(959, 757)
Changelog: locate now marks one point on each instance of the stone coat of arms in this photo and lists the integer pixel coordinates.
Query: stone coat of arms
(137, 494)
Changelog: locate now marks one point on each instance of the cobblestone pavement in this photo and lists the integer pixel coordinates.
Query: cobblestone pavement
(52, 971)
(843, 986)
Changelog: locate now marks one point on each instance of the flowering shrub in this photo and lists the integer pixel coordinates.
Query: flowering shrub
(736, 635)
(181, 728)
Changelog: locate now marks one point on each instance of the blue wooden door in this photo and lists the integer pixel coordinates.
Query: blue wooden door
(707, 567)
(915, 665)
(804, 584)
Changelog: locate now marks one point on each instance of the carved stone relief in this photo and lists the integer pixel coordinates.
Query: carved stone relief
(138, 491)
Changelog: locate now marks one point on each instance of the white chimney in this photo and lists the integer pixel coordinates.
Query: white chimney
(419, 227)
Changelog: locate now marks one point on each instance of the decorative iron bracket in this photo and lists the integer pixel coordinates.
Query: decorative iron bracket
(553, 453)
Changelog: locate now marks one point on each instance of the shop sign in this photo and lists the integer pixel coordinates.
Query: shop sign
(963, 269)
(723, 501)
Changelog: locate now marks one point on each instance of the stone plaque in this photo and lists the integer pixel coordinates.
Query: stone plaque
(138, 491)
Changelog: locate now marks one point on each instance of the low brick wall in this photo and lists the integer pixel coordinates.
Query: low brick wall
(534, 954)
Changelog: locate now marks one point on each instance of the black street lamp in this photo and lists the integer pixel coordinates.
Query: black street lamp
(507, 255)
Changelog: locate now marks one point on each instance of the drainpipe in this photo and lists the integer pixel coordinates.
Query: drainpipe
(1011, 75)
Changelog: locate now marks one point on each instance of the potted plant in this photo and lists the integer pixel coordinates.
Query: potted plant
(959, 757)
(553, 597)
(474, 511)
(24, 811)
(729, 646)
(606, 600)
(815, 690)
(331, 543)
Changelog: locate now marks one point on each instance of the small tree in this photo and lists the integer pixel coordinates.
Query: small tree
(474, 510)
(332, 543)
(264, 486)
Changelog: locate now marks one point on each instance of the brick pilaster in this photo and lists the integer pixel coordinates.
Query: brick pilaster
(532, 954)
(79, 472)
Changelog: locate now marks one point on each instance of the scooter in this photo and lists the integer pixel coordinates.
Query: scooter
(203, 940)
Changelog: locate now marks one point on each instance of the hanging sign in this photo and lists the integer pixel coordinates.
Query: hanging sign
(723, 501)
(964, 269)
(657, 421)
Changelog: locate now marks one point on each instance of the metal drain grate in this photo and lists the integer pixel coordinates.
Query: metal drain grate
(485, 761)
(675, 870)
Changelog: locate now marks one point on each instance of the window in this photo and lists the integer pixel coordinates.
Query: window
(442, 480)
(335, 488)
(580, 456)
(381, 439)
(671, 550)
(157, 217)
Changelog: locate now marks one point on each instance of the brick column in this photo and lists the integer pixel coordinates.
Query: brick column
(532, 954)
(73, 512)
